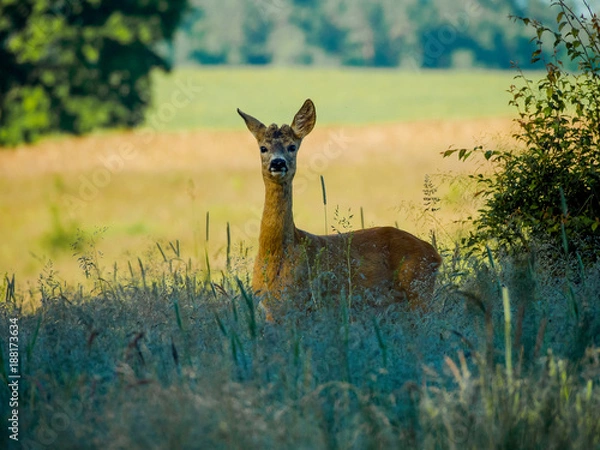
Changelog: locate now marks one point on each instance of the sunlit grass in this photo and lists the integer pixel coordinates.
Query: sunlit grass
(164, 192)
(160, 184)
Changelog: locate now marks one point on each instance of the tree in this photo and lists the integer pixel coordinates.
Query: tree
(74, 65)
(445, 31)
(549, 191)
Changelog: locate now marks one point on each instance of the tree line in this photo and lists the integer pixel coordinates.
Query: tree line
(375, 33)
(76, 65)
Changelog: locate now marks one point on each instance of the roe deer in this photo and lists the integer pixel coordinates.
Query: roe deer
(390, 263)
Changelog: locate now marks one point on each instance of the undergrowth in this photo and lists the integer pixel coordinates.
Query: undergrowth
(161, 354)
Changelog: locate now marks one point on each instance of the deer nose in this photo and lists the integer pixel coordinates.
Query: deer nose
(278, 165)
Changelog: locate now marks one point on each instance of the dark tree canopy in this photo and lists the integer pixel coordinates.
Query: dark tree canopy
(75, 65)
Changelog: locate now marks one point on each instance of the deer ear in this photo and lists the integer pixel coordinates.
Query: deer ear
(305, 119)
(256, 127)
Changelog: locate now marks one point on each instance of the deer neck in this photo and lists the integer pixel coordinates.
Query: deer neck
(277, 229)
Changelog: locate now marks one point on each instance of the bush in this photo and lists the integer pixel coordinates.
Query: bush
(549, 190)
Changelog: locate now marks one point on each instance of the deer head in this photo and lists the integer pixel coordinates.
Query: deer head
(279, 145)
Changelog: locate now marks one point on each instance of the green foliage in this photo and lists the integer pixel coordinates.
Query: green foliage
(377, 33)
(551, 187)
(79, 64)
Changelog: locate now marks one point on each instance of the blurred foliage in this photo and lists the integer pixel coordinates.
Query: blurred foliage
(74, 65)
(380, 33)
(550, 189)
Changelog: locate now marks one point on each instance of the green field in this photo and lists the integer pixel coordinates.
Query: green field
(130, 318)
(342, 96)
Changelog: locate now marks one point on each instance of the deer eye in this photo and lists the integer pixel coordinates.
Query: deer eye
(263, 149)
(291, 148)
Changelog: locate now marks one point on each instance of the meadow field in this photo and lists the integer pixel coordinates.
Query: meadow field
(126, 261)
(378, 134)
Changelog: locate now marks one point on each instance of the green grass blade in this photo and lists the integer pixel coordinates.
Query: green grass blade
(507, 334)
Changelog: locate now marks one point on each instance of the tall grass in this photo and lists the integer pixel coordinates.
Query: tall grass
(162, 356)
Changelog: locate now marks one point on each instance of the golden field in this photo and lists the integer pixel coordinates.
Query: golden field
(131, 189)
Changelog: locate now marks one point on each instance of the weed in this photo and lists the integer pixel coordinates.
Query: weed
(61, 236)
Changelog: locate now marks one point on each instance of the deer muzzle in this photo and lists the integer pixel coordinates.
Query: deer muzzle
(278, 166)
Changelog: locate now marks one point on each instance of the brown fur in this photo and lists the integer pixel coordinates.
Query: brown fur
(390, 263)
